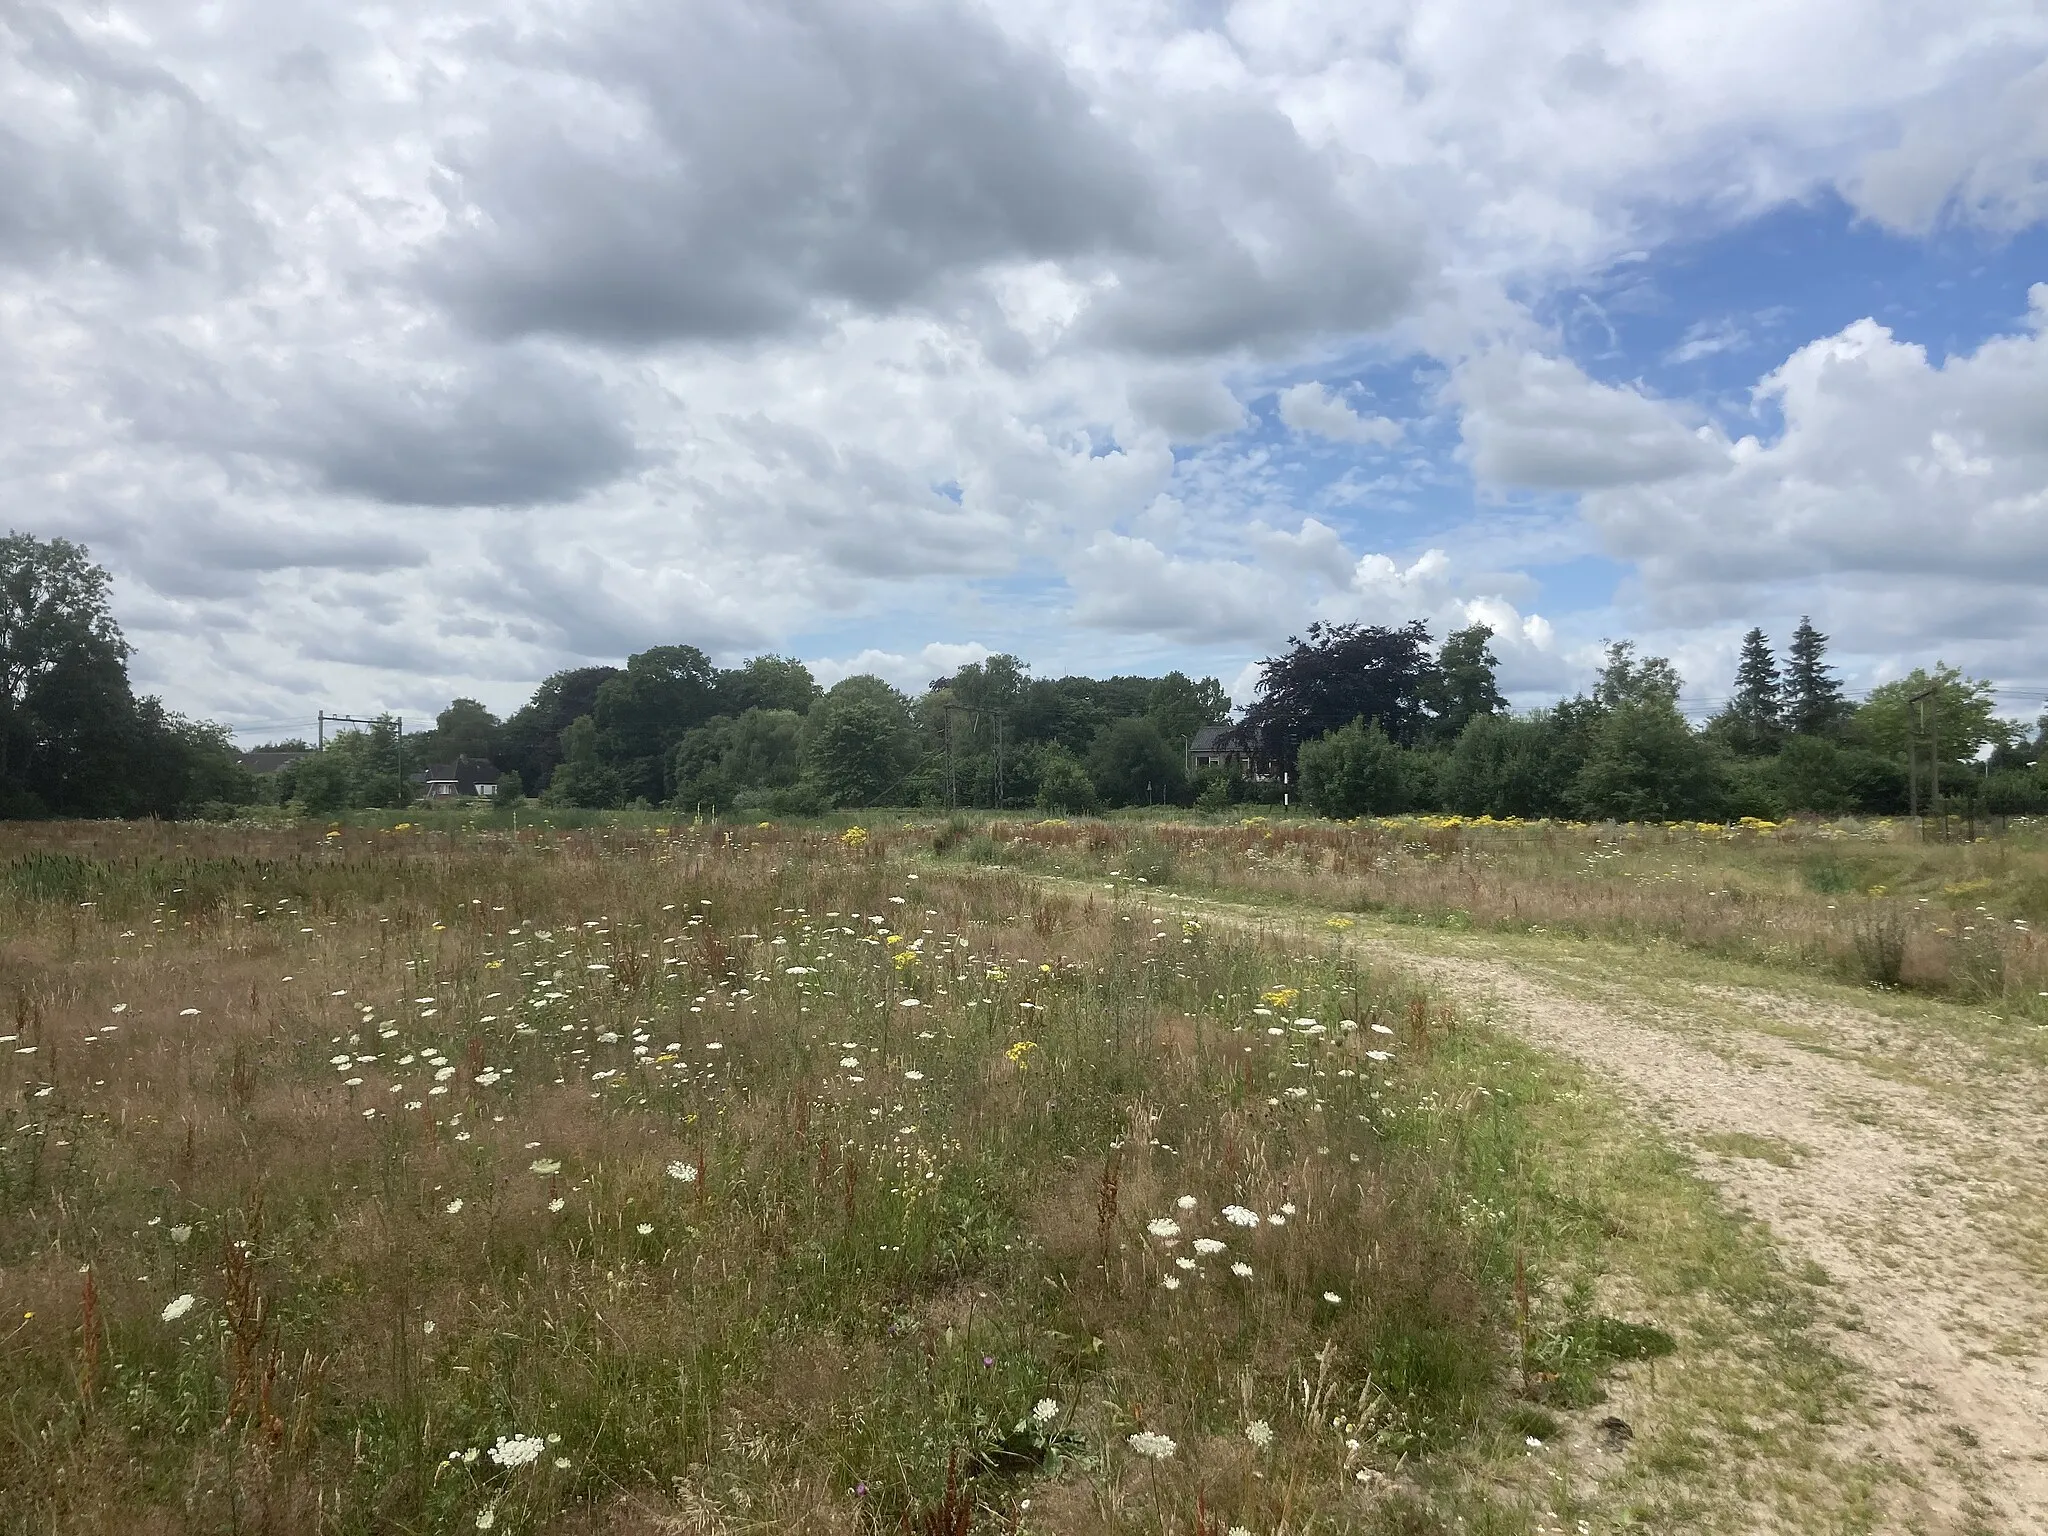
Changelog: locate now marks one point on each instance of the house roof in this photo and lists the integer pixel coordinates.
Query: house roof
(1217, 738)
(465, 773)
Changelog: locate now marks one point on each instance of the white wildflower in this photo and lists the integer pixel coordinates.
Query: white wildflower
(1186, 1202)
(517, 1450)
(1260, 1433)
(1238, 1216)
(1208, 1245)
(556, 1204)
(1146, 1443)
(181, 1234)
(682, 1171)
(454, 1207)
(1046, 1411)
(545, 1165)
(1333, 1298)
(1161, 1226)
(1242, 1270)
(178, 1307)
(645, 1229)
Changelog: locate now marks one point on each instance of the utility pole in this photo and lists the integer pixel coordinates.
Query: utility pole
(361, 720)
(999, 764)
(1922, 729)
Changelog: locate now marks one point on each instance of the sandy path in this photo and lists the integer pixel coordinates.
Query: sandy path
(1896, 1196)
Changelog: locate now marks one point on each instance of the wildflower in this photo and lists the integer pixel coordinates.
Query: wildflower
(645, 1229)
(181, 1234)
(1380, 1055)
(454, 1207)
(1238, 1530)
(1020, 1050)
(849, 1061)
(516, 1450)
(1280, 997)
(1242, 1270)
(556, 1204)
(1238, 1216)
(1260, 1433)
(683, 1172)
(1146, 1443)
(545, 1165)
(1208, 1245)
(427, 1326)
(913, 1077)
(1171, 1282)
(487, 1517)
(562, 1463)
(1186, 1202)
(1287, 1208)
(1333, 1298)
(1046, 1411)
(1160, 1226)
(1183, 1263)
(1277, 1220)
(188, 1013)
(178, 1308)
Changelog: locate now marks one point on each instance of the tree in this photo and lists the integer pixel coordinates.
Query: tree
(1340, 673)
(65, 710)
(1063, 783)
(1628, 679)
(530, 743)
(766, 682)
(1814, 705)
(1354, 771)
(730, 757)
(857, 743)
(1960, 714)
(583, 779)
(642, 712)
(1512, 766)
(1461, 686)
(1753, 724)
(1648, 765)
(1132, 764)
(464, 729)
(1180, 706)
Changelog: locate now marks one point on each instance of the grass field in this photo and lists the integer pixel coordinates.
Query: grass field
(720, 1179)
(1866, 902)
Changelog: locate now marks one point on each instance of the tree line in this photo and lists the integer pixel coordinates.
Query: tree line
(1350, 719)
(1788, 740)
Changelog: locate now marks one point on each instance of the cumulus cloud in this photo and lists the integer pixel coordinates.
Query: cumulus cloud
(1311, 408)
(909, 671)
(391, 354)
(1541, 423)
(1892, 475)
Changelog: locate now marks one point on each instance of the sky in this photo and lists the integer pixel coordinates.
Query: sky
(386, 355)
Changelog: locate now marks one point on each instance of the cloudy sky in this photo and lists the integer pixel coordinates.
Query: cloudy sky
(387, 354)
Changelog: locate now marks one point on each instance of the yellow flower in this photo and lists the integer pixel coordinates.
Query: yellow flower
(1339, 923)
(1019, 1051)
(854, 837)
(1280, 997)
(905, 959)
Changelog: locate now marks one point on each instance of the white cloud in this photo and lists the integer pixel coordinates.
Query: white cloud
(909, 672)
(1903, 497)
(1312, 409)
(1541, 423)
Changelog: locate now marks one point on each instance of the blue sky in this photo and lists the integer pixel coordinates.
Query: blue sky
(390, 358)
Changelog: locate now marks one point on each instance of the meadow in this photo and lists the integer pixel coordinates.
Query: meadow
(645, 1178)
(1871, 903)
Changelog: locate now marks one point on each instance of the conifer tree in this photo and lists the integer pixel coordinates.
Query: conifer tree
(1814, 705)
(1756, 714)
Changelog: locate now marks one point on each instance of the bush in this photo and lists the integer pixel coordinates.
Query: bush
(1063, 784)
(1354, 771)
(1648, 765)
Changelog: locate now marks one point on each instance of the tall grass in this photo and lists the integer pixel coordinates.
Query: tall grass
(1866, 903)
(632, 1179)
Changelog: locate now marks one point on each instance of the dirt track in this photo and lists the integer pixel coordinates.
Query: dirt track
(1898, 1193)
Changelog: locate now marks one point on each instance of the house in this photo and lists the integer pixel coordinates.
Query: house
(1220, 746)
(466, 776)
(263, 764)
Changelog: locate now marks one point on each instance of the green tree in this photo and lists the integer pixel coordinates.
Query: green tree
(1180, 706)
(642, 713)
(1132, 764)
(1462, 686)
(583, 778)
(857, 747)
(1814, 705)
(1504, 765)
(1064, 787)
(1357, 770)
(766, 682)
(530, 743)
(1961, 717)
(1834, 778)
(1753, 724)
(68, 723)
(1628, 679)
(1647, 764)
(464, 729)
